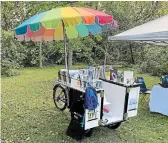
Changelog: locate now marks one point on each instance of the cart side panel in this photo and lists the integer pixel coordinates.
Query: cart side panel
(93, 117)
(115, 96)
(133, 102)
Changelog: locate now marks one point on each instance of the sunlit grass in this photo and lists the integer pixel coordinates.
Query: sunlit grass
(29, 114)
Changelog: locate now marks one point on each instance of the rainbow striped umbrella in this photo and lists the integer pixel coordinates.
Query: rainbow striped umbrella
(67, 22)
(75, 21)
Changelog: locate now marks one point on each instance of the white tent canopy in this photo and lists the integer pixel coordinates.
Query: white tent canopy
(154, 32)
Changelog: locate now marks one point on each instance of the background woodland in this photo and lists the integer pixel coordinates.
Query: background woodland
(90, 50)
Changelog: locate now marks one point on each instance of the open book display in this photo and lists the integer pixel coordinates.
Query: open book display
(125, 77)
(82, 78)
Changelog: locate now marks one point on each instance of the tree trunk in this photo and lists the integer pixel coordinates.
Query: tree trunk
(105, 58)
(142, 53)
(40, 56)
(132, 56)
(98, 5)
(72, 3)
(106, 47)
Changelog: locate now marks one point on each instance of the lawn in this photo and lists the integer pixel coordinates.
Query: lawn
(29, 114)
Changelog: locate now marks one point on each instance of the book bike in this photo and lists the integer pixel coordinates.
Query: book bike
(117, 100)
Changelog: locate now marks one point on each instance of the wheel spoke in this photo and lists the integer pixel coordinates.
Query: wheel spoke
(60, 93)
(60, 98)
(63, 100)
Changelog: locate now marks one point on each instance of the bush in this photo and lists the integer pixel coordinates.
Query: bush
(12, 72)
(12, 55)
(9, 69)
(155, 61)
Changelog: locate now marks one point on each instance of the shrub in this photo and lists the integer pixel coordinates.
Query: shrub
(11, 54)
(9, 69)
(155, 61)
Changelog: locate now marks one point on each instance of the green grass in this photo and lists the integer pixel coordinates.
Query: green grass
(29, 114)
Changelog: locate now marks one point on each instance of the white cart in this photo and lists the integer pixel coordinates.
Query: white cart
(117, 102)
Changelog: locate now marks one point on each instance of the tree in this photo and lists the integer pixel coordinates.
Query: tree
(88, 50)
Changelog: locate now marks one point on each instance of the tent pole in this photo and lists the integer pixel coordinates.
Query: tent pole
(64, 45)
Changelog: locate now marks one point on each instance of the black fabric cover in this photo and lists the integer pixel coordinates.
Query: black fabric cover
(164, 85)
(75, 130)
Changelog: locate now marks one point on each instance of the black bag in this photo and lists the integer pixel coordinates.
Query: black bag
(164, 80)
(75, 130)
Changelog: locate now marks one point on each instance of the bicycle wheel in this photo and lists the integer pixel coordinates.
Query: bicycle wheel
(60, 97)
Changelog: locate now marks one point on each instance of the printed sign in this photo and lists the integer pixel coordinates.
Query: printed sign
(92, 115)
(128, 77)
(132, 104)
(133, 101)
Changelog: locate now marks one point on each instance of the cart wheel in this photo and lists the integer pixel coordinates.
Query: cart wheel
(114, 126)
(89, 132)
(60, 97)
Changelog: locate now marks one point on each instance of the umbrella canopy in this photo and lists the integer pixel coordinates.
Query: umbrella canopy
(153, 32)
(73, 21)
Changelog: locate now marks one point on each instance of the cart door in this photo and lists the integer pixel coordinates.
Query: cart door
(133, 99)
(92, 117)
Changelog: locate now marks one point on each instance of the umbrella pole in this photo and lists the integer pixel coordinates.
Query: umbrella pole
(66, 64)
(66, 67)
(69, 54)
(40, 55)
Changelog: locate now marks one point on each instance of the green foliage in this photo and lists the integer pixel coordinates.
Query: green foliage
(8, 68)
(89, 50)
(11, 54)
(155, 61)
(82, 50)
